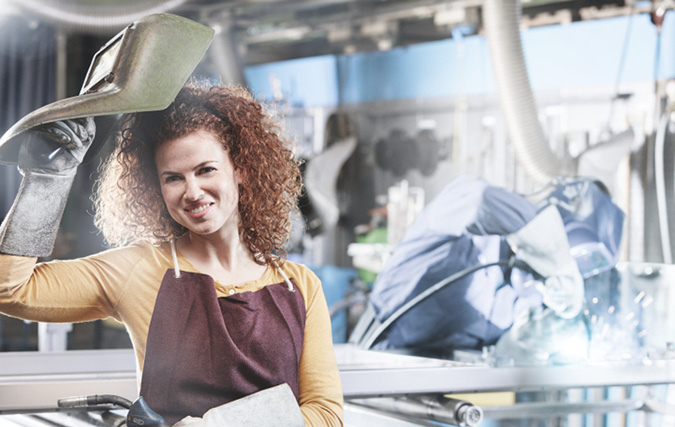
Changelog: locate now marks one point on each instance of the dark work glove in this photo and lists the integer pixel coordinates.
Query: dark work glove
(57, 148)
(48, 160)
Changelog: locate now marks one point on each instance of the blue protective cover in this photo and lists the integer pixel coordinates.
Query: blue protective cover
(465, 226)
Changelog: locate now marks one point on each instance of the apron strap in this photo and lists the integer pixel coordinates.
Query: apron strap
(286, 279)
(176, 270)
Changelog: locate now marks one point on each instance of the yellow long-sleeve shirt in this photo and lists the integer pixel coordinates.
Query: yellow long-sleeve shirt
(123, 283)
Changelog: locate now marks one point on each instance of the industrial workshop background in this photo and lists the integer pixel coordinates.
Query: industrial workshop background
(392, 100)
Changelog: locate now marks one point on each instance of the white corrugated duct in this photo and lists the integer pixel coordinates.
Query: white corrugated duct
(110, 16)
(502, 30)
(103, 17)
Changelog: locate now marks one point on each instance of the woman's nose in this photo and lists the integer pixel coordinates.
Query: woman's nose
(193, 191)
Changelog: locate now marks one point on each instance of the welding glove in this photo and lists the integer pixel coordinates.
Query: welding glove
(275, 406)
(542, 244)
(48, 160)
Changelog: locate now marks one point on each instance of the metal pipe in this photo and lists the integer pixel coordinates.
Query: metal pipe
(502, 31)
(436, 408)
(527, 410)
(225, 52)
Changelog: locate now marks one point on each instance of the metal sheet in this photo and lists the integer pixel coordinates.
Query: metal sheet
(34, 381)
(360, 416)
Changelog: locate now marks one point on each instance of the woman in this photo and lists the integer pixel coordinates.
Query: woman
(198, 198)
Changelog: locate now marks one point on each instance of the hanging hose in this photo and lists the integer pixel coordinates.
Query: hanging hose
(93, 400)
(659, 143)
(659, 178)
(139, 414)
(224, 50)
(502, 31)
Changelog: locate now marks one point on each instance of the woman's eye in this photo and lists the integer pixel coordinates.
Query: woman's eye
(171, 178)
(207, 169)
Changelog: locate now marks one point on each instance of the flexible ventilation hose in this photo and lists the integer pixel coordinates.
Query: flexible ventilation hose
(502, 31)
(108, 17)
(224, 53)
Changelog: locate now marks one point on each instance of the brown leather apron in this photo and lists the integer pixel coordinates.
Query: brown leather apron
(203, 351)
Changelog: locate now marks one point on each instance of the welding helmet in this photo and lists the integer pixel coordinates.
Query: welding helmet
(142, 68)
(593, 224)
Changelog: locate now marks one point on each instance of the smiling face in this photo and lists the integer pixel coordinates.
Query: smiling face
(199, 184)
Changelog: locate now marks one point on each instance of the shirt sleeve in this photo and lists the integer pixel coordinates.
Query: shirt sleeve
(64, 291)
(321, 399)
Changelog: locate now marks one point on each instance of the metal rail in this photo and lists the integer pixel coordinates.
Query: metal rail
(37, 380)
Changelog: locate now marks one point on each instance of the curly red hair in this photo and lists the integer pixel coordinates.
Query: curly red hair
(130, 207)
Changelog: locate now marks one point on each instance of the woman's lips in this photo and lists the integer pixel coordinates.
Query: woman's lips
(198, 211)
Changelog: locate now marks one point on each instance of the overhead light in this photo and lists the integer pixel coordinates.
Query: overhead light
(339, 34)
(375, 28)
(295, 33)
(350, 49)
(384, 43)
(451, 16)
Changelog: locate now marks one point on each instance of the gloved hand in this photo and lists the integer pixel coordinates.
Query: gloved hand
(542, 244)
(48, 160)
(57, 148)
